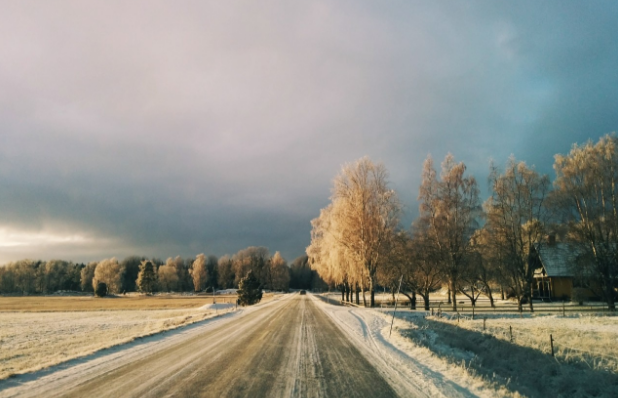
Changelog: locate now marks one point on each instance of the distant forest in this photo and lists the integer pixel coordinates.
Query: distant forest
(140, 274)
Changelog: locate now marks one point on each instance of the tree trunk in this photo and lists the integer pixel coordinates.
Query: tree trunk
(502, 292)
(357, 295)
(453, 291)
(609, 292)
(347, 293)
(364, 298)
(413, 301)
(449, 293)
(490, 296)
(342, 293)
(372, 291)
(426, 301)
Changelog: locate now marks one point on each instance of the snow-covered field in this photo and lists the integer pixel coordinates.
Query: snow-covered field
(451, 358)
(30, 341)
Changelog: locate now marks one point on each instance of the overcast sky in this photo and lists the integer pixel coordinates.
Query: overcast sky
(176, 128)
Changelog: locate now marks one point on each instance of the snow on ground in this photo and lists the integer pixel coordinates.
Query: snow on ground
(76, 343)
(468, 357)
(31, 341)
(218, 306)
(401, 361)
(227, 291)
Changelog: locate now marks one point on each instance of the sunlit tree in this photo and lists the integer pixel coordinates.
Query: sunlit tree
(587, 192)
(449, 206)
(109, 272)
(198, 273)
(358, 228)
(516, 218)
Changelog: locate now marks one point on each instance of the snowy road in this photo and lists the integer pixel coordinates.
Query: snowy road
(285, 348)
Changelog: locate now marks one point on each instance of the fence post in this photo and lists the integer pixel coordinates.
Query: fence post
(395, 310)
(511, 332)
(551, 343)
(473, 312)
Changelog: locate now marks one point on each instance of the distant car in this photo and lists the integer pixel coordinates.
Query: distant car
(303, 292)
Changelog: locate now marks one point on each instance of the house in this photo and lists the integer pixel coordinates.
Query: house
(557, 273)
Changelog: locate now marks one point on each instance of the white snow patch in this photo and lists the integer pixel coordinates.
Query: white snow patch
(410, 369)
(217, 306)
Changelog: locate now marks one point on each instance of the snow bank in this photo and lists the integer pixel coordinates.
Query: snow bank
(217, 306)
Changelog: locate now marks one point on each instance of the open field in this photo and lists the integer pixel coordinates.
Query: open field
(30, 340)
(41, 331)
(111, 303)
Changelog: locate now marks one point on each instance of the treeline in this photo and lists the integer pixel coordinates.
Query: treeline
(134, 273)
(471, 247)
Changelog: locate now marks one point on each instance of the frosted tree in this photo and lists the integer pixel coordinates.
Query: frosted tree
(279, 273)
(168, 277)
(326, 255)
(225, 272)
(587, 193)
(449, 206)
(87, 274)
(361, 225)
(254, 259)
(108, 271)
(198, 273)
(419, 265)
(55, 274)
(516, 217)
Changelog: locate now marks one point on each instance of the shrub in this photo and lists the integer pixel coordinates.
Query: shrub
(578, 295)
(101, 290)
(249, 291)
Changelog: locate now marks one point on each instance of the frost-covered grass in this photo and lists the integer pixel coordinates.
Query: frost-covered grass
(590, 339)
(33, 340)
(485, 363)
(586, 348)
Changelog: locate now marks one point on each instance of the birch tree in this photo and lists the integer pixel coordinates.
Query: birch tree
(516, 218)
(359, 226)
(108, 271)
(586, 187)
(198, 273)
(449, 206)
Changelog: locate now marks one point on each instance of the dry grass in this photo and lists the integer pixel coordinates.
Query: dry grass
(119, 303)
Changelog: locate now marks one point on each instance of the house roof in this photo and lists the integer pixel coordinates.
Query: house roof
(557, 260)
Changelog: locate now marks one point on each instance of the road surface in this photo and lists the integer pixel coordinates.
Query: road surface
(287, 348)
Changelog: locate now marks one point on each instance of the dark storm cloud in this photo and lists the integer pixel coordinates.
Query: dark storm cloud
(161, 129)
